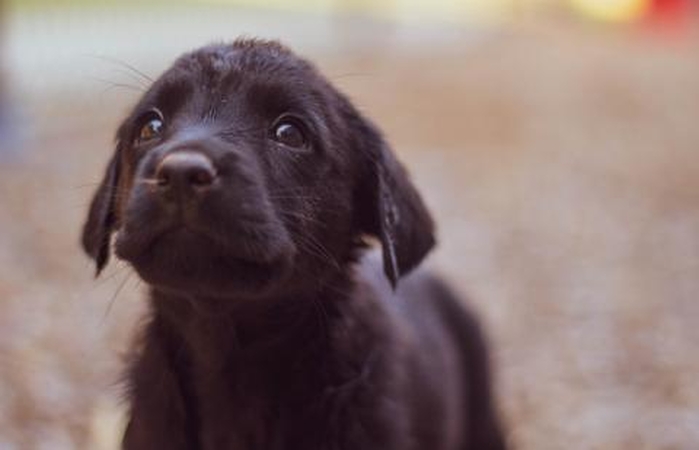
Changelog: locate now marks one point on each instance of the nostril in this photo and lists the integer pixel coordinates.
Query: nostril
(201, 176)
(163, 179)
(185, 169)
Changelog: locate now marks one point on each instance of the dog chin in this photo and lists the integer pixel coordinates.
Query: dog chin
(184, 261)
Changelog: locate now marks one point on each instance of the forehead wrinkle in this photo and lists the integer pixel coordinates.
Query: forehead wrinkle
(168, 95)
(222, 69)
(173, 94)
(278, 95)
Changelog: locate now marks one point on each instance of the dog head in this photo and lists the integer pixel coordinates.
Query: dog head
(242, 171)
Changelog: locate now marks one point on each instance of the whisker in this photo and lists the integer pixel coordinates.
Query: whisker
(112, 84)
(86, 185)
(340, 76)
(136, 79)
(119, 270)
(124, 65)
(148, 181)
(302, 216)
(315, 248)
(322, 248)
(322, 315)
(116, 294)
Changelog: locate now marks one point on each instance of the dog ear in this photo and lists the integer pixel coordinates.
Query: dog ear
(98, 227)
(389, 206)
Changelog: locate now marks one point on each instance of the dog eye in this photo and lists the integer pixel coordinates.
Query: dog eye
(152, 126)
(290, 133)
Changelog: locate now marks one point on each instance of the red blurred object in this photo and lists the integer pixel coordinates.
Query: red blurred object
(672, 14)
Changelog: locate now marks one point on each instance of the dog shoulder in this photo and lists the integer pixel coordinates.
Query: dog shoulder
(420, 284)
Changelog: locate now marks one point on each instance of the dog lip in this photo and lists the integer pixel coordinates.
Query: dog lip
(133, 246)
(160, 261)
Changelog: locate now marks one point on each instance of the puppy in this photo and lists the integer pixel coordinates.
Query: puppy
(244, 190)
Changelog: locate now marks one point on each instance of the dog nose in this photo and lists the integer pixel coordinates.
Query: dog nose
(185, 171)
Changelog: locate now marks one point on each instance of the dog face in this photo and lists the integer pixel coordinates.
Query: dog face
(242, 172)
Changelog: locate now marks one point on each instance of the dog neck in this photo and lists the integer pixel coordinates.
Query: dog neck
(279, 328)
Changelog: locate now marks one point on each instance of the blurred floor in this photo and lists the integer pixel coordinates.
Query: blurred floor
(561, 165)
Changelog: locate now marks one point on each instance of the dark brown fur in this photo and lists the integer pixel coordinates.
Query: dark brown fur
(268, 327)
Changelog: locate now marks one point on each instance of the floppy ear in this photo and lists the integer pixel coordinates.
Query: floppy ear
(100, 221)
(391, 209)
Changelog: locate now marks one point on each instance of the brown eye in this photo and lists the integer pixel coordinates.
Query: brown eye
(152, 127)
(289, 133)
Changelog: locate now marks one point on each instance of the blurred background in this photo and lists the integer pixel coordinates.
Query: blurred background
(556, 141)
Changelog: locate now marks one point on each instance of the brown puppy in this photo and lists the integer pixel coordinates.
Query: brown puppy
(242, 189)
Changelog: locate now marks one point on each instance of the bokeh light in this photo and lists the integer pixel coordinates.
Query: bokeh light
(612, 10)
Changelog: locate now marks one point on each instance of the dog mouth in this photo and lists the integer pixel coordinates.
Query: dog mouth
(183, 241)
(180, 257)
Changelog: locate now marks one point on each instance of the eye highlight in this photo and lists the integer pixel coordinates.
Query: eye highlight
(290, 132)
(151, 126)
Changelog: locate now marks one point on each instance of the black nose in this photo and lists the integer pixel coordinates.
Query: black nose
(185, 171)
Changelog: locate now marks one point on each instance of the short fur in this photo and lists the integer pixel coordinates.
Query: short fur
(268, 327)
